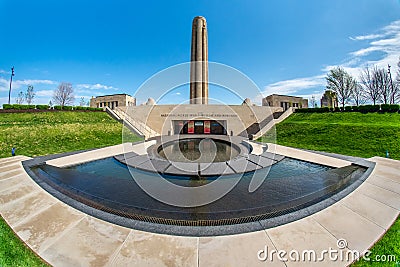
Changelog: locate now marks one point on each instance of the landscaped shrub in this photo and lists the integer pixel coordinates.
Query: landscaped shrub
(348, 108)
(338, 109)
(31, 106)
(95, 109)
(81, 108)
(369, 108)
(20, 107)
(42, 107)
(389, 108)
(301, 110)
(57, 107)
(7, 106)
(67, 108)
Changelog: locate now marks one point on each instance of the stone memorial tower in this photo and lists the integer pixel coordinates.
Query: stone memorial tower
(199, 62)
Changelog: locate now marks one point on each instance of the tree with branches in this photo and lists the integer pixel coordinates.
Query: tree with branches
(20, 98)
(29, 95)
(382, 82)
(342, 83)
(358, 95)
(313, 102)
(396, 85)
(64, 94)
(82, 101)
(398, 72)
(369, 85)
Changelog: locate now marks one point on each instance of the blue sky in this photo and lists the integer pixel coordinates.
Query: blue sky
(106, 47)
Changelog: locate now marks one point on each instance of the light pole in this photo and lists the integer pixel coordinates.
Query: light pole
(391, 84)
(9, 92)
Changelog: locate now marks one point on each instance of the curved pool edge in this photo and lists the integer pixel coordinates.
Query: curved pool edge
(347, 219)
(186, 230)
(246, 161)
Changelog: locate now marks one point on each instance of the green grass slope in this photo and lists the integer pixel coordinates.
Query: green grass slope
(36, 134)
(353, 134)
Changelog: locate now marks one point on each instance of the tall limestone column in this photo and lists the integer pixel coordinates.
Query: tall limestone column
(199, 62)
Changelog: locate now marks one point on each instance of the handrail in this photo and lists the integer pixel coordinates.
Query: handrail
(137, 123)
(271, 124)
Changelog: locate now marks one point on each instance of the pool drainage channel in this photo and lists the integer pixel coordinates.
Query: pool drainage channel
(199, 227)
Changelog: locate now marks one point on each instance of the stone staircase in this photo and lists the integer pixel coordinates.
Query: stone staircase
(268, 126)
(134, 124)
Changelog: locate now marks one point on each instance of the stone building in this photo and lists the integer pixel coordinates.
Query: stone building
(329, 99)
(112, 101)
(285, 101)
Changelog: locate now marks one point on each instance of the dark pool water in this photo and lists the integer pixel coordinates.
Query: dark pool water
(198, 150)
(289, 185)
(113, 169)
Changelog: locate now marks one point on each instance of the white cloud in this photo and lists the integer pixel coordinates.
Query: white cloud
(44, 93)
(366, 37)
(96, 86)
(18, 84)
(386, 41)
(294, 85)
(364, 51)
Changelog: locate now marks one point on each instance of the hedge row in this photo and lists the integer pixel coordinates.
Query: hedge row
(363, 109)
(77, 108)
(44, 107)
(17, 106)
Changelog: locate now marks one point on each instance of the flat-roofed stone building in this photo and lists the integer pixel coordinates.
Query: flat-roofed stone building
(112, 101)
(285, 101)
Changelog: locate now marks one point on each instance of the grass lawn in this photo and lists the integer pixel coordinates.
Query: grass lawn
(363, 135)
(354, 134)
(388, 245)
(13, 252)
(36, 134)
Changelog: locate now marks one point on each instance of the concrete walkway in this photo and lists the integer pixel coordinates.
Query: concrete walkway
(64, 236)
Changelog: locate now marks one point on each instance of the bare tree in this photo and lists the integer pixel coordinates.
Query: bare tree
(313, 102)
(82, 102)
(358, 95)
(64, 94)
(342, 83)
(369, 86)
(398, 72)
(29, 95)
(396, 85)
(381, 81)
(20, 98)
